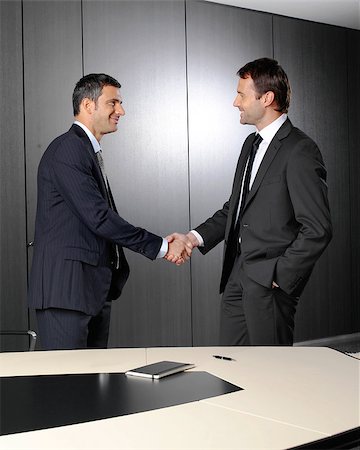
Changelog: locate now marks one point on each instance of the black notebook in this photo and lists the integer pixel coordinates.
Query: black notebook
(160, 369)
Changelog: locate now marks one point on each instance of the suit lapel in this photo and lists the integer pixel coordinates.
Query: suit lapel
(270, 154)
(83, 136)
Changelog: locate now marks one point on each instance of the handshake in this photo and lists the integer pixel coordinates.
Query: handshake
(180, 247)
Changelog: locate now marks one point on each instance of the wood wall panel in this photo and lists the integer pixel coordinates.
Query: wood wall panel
(314, 57)
(220, 40)
(52, 66)
(354, 147)
(13, 309)
(142, 44)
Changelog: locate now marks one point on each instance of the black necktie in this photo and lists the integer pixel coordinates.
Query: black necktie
(247, 177)
(246, 182)
(111, 202)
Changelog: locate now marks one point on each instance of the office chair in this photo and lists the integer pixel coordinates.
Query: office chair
(32, 336)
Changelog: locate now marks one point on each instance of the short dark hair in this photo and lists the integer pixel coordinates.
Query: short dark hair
(90, 86)
(268, 75)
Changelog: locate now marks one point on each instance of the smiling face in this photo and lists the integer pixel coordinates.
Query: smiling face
(102, 116)
(255, 109)
(249, 102)
(107, 111)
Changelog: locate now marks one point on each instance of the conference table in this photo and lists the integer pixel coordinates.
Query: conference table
(290, 397)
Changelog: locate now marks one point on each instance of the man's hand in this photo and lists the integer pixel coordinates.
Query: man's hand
(182, 242)
(178, 252)
(188, 239)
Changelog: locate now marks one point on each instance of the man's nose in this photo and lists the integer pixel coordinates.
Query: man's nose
(120, 110)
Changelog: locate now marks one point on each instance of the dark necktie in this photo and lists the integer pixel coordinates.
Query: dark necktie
(110, 201)
(247, 177)
(246, 182)
(102, 167)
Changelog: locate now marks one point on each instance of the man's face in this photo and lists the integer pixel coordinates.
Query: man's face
(106, 111)
(249, 102)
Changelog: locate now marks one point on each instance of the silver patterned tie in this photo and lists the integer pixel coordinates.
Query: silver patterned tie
(112, 206)
(102, 165)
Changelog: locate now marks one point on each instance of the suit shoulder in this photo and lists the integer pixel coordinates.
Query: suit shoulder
(298, 135)
(68, 146)
(304, 151)
(298, 141)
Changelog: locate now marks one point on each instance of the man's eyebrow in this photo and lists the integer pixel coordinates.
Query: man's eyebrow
(115, 100)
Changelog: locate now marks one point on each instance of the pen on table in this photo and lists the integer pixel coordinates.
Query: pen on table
(226, 358)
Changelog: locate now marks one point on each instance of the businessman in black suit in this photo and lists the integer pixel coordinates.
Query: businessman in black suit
(79, 265)
(276, 223)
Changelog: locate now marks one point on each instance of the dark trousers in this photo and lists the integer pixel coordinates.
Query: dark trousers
(252, 314)
(61, 329)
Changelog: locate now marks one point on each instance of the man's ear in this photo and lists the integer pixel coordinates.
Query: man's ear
(87, 105)
(268, 98)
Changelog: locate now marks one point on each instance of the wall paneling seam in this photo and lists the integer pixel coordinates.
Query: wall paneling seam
(188, 158)
(349, 150)
(272, 37)
(27, 239)
(82, 36)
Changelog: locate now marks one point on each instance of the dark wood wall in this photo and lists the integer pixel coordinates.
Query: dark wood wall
(315, 58)
(354, 160)
(219, 41)
(174, 156)
(13, 265)
(149, 155)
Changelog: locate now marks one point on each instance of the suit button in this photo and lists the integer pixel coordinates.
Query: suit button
(245, 225)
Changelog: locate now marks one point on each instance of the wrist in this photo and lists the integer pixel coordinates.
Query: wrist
(193, 239)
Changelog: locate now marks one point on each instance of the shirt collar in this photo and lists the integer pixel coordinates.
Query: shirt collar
(93, 140)
(269, 131)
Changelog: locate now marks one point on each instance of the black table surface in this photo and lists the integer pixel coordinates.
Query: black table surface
(36, 402)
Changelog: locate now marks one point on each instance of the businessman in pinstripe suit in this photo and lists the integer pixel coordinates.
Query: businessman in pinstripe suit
(79, 265)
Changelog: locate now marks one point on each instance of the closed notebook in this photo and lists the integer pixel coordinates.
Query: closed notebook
(160, 369)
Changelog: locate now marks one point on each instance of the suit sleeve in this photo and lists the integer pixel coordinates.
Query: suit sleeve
(72, 172)
(213, 229)
(306, 182)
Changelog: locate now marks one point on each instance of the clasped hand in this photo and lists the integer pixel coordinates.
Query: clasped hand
(180, 247)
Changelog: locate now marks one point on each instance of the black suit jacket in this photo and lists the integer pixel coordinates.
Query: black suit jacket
(76, 229)
(285, 225)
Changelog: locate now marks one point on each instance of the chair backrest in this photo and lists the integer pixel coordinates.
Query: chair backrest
(14, 340)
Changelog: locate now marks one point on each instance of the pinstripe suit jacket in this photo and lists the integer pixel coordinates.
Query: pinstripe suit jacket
(285, 225)
(75, 230)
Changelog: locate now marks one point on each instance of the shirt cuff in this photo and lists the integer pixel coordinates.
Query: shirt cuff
(163, 249)
(198, 237)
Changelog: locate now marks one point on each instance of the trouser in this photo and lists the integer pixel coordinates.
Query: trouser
(252, 314)
(61, 329)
